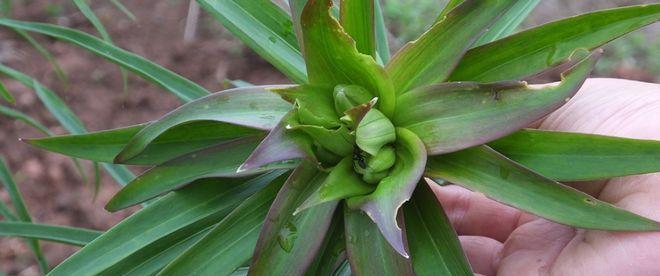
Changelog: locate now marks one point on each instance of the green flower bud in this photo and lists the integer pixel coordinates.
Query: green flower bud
(383, 160)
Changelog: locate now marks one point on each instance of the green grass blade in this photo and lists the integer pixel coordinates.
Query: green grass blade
(265, 28)
(288, 244)
(124, 10)
(103, 146)
(64, 115)
(451, 4)
(431, 58)
(22, 212)
(535, 50)
(176, 84)
(229, 244)
(5, 94)
(92, 18)
(368, 251)
(504, 107)
(18, 115)
(483, 170)
(45, 53)
(434, 245)
(358, 20)
(382, 41)
(591, 156)
(169, 220)
(253, 107)
(508, 23)
(54, 233)
(6, 213)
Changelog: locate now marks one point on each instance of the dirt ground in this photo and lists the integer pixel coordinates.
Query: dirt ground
(54, 191)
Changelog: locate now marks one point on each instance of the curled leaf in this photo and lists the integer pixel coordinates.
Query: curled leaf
(374, 131)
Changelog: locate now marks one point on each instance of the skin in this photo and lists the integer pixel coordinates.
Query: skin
(500, 240)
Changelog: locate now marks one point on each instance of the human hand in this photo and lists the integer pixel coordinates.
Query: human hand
(500, 240)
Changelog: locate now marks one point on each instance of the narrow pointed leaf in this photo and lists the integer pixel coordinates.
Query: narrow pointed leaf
(45, 54)
(333, 252)
(288, 244)
(266, 28)
(152, 259)
(23, 215)
(535, 50)
(218, 161)
(431, 58)
(170, 219)
(382, 41)
(383, 204)
(358, 20)
(369, 253)
(438, 113)
(181, 87)
(508, 23)
(123, 9)
(342, 182)
(4, 93)
(591, 156)
(280, 145)
(434, 245)
(54, 233)
(18, 115)
(65, 117)
(253, 107)
(103, 146)
(229, 244)
(332, 57)
(483, 170)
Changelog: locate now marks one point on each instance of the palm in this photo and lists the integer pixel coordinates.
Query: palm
(501, 240)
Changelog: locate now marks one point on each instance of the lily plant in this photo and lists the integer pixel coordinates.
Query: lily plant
(331, 175)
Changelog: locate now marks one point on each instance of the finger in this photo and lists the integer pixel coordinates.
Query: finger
(482, 252)
(476, 215)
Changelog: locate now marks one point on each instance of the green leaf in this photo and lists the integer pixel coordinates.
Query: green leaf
(432, 57)
(6, 94)
(218, 161)
(18, 115)
(358, 20)
(591, 156)
(451, 4)
(253, 107)
(535, 50)
(483, 170)
(171, 219)
(333, 59)
(341, 183)
(383, 204)
(382, 43)
(508, 23)
(59, 72)
(266, 28)
(296, 8)
(332, 254)
(152, 259)
(288, 244)
(91, 17)
(374, 131)
(315, 104)
(453, 116)
(338, 141)
(280, 145)
(123, 9)
(368, 251)
(6, 213)
(103, 146)
(434, 245)
(61, 234)
(176, 84)
(229, 244)
(22, 212)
